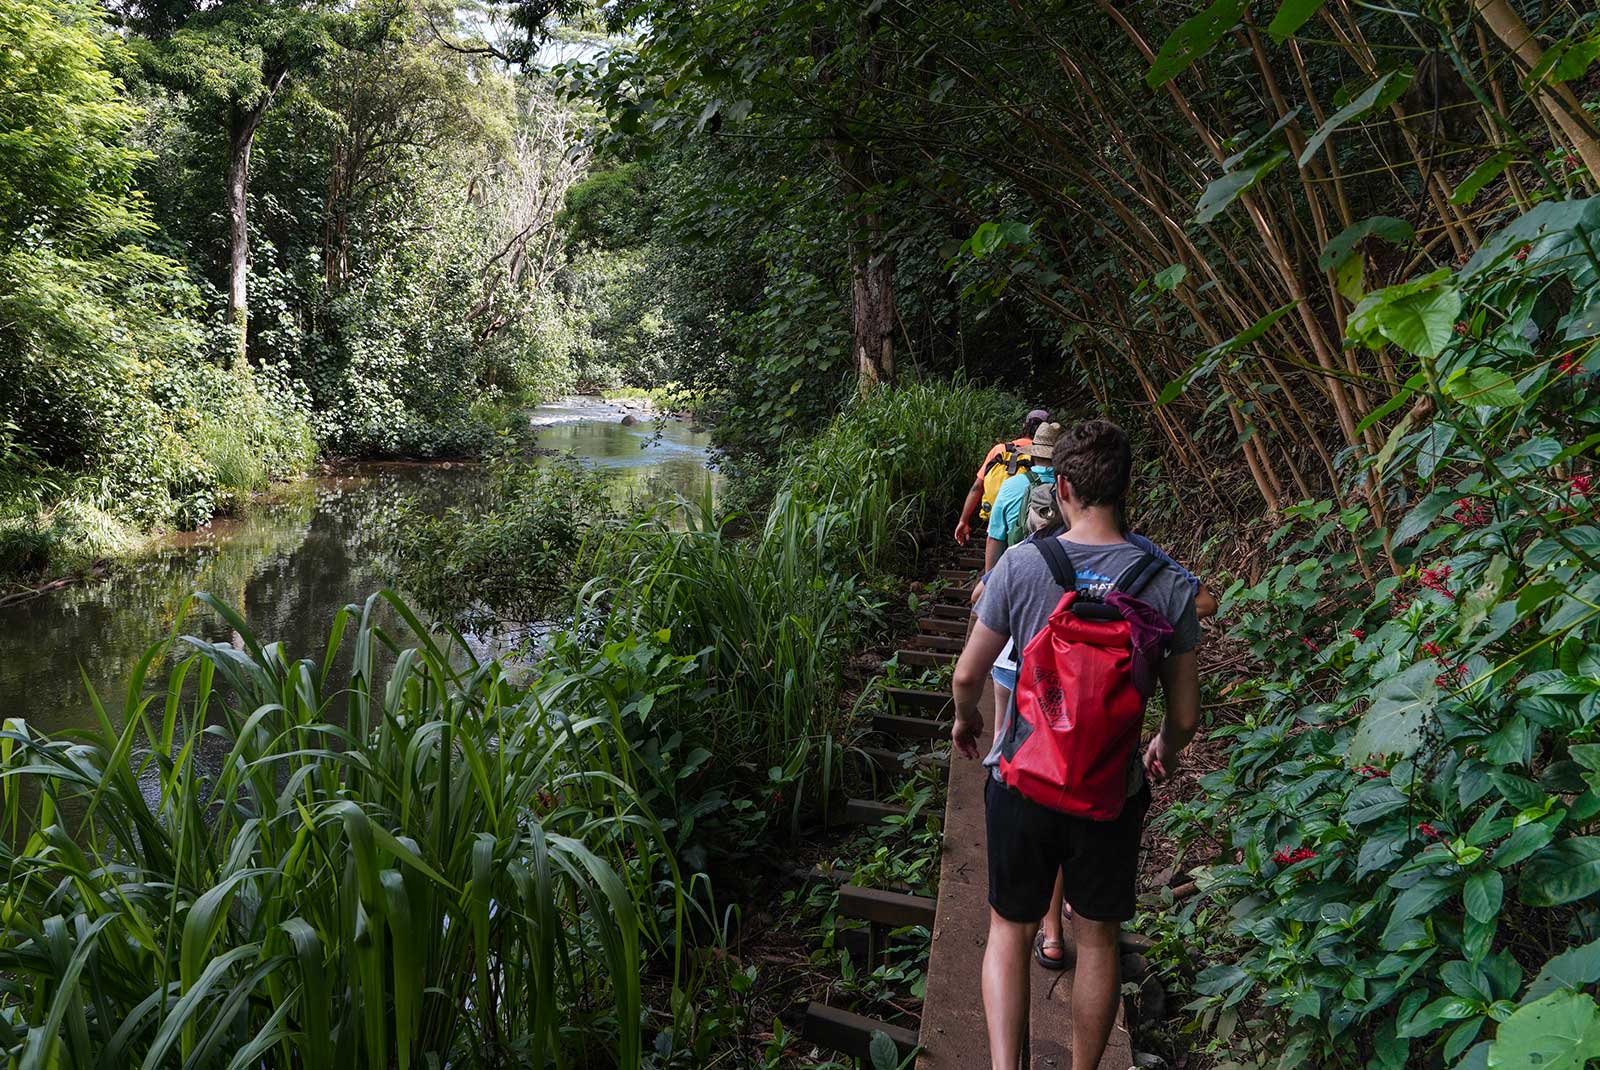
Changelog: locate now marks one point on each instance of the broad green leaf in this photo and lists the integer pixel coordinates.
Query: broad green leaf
(1483, 595)
(1434, 448)
(1168, 279)
(1422, 514)
(1482, 895)
(882, 1050)
(1561, 1031)
(1550, 230)
(1582, 323)
(1421, 323)
(1394, 723)
(1292, 15)
(1396, 433)
(1562, 873)
(1563, 62)
(1485, 173)
(1342, 246)
(1572, 969)
(1193, 39)
(1523, 842)
(1357, 107)
(1227, 189)
(1350, 279)
(1483, 386)
(1370, 801)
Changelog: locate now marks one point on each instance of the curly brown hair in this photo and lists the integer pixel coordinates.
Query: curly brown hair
(1095, 457)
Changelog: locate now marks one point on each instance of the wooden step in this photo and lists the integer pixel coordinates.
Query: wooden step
(942, 626)
(944, 644)
(894, 909)
(910, 727)
(952, 595)
(850, 1033)
(895, 760)
(923, 659)
(870, 811)
(949, 612)
(906, 699)
(963, 576)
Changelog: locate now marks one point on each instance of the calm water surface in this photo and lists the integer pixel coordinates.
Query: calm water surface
(292, 561)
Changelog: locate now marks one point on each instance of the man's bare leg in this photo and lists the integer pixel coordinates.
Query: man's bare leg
(1005, 988)
(1096, 987)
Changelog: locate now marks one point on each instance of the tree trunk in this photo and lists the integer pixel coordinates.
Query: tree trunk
(336, 222)
(238, 185)
(1507, 25)
(241, 136)
(873, 319)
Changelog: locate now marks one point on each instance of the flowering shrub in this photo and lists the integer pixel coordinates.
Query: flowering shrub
(1404, 832)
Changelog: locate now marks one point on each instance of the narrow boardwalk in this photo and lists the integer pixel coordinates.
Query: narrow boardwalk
(952, 1034)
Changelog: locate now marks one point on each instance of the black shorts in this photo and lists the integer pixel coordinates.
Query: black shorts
(1029, 843)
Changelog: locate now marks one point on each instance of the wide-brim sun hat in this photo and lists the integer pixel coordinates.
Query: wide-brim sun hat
(1044, 441)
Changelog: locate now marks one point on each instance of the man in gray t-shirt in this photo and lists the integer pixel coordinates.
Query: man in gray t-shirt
(1020, 595)
(1029, 844)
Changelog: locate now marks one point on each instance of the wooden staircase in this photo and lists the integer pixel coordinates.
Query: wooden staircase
(952, 1034)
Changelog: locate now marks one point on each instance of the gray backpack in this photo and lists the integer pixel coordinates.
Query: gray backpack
(1039, 509)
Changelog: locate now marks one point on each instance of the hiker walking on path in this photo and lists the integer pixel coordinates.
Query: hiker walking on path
(1000, 462)
(1099, 620)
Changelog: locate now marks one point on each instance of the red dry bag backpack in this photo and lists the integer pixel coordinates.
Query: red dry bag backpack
(1081, 690)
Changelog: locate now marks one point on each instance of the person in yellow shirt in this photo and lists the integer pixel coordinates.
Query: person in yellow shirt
(999, 463)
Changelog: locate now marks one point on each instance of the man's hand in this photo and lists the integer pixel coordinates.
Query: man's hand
(963, 531)
(1161, 759)
(965, 732)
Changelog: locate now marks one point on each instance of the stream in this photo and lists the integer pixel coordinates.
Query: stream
(292, 559)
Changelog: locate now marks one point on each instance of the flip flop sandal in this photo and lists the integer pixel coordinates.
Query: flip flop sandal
(1039, 946)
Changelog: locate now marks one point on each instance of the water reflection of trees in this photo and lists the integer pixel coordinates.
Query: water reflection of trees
(288, 564)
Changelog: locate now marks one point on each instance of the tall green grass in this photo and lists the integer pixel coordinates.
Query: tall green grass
(268, 862)
(772, 617)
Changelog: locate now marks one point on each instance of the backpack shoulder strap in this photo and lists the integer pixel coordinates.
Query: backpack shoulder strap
(1055, 555)
(1138, 575)
(997, 460)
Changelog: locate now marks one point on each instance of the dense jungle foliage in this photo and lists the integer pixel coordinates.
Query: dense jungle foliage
(1338, 264)
(237, 236)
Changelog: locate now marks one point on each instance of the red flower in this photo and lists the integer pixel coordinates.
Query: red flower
(1312, 646)
(1433, 650)
(1452, 675)
(1570, 364)
(1434, 579)
(1521, 254)
(1430, 831)
(1368, 772)
(1470, 513)
(1580, 485)
(1289, 858)
(1398, 607)
(1461, 328)
(1358, 633)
